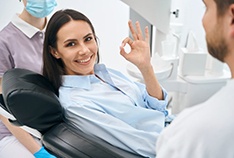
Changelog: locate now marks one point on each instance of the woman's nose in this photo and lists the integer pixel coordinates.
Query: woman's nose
(83, 49)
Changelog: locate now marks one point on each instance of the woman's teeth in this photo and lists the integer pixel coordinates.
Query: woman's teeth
(83, 61)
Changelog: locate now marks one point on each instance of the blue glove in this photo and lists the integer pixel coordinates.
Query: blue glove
(42, 153)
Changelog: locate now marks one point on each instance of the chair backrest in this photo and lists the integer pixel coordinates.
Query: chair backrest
(30, 97)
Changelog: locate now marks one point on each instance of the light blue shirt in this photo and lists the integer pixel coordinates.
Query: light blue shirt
(114, 109)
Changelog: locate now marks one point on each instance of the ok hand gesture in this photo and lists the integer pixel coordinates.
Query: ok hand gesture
(139, 54)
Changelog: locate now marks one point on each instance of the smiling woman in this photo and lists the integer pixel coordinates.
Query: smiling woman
(78, 49)
(96, 98)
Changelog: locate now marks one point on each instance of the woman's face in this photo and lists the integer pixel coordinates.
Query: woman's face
(76, 47)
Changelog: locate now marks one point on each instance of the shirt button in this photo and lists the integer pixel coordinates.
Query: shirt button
(41, 34)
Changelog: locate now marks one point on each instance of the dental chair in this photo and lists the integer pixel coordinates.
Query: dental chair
(28, 100)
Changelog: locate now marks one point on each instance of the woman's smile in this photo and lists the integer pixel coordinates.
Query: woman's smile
(85, 60)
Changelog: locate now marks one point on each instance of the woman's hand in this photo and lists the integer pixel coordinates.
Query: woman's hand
(139, 54)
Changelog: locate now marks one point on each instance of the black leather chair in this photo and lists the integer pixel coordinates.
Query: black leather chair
(31, 99)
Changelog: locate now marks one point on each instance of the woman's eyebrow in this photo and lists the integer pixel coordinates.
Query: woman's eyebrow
(87, 35)
(69, 40)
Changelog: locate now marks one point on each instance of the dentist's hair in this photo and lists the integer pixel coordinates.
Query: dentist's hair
(222, 6)
(53, 68)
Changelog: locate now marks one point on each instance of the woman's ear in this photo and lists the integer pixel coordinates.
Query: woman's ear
(54, 53)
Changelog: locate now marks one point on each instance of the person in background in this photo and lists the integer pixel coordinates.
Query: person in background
(101, 101)
(206, 130)
(21, 44)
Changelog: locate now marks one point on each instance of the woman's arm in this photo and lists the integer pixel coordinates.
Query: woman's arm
(140, 56)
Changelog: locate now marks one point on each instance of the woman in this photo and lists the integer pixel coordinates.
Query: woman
(100, 101)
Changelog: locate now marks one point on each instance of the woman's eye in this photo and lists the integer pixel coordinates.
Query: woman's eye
(88, 38)
(70, 44)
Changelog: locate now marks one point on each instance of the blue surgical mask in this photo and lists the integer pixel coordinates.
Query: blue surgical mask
(40, 8)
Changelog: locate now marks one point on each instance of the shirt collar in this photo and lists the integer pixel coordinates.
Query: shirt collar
(25, 27)
(85, 82)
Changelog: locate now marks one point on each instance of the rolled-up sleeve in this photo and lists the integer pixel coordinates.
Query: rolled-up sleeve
(152, 102)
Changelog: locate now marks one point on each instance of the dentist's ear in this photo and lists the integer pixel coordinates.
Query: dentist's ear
(231, 19)
(54, 53)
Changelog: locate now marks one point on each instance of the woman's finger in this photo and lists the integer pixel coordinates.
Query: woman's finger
(134, 34)
(139, 33)
(147, 34)
(127, 41)
(122, 51)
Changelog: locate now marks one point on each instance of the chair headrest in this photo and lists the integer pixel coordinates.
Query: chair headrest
(31, 99)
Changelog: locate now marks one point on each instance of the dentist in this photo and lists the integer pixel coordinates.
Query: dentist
(206, 130)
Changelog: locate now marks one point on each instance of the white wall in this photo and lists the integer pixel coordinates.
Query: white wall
(191, 13)
(7, 10)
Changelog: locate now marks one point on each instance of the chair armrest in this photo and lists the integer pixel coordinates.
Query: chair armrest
(31, 99)
(3, 109)
(66, 141)
(4, 112)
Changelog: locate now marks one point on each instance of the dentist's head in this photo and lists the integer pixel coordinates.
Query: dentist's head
(39, 8)
(36, 11)
(218, 22)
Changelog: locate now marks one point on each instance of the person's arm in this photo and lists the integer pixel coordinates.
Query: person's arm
(24, 137)
(140, 56)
